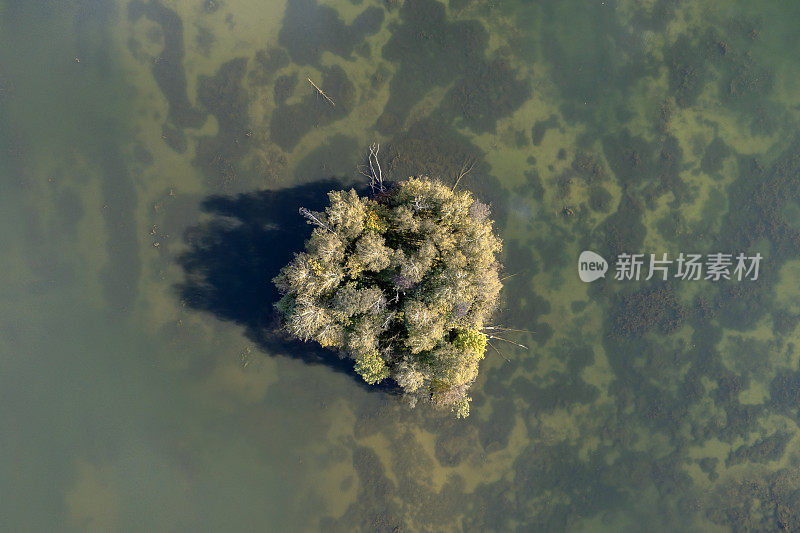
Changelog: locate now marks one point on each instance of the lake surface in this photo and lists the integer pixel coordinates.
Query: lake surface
(153, 155)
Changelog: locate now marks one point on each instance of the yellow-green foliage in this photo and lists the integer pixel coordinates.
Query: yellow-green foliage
(374, 221)
(403, 284)
(462, 409)
(471, 340)
(372, 368)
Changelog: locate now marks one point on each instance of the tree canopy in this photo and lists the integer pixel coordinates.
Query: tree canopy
(402, 282)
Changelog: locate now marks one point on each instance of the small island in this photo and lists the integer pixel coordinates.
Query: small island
(402, 282)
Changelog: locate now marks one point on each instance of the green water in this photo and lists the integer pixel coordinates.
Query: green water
(152, 159)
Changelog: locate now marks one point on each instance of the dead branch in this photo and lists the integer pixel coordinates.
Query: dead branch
(465, 169)
(512, 275)
(500, 328)
(498, 352)
(313, 219)
(321, 92)
(375, 178)
(508, 341)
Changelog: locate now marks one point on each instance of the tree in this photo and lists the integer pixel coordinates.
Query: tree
(403, 283)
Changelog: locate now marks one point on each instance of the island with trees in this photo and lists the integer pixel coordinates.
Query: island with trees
(403, 282)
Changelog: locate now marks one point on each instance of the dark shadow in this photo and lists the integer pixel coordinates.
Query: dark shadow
(233, 257)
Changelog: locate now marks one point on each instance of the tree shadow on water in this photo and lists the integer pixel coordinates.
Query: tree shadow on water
(233, 257)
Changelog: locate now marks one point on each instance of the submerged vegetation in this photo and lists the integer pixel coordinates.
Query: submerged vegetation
(403, 283)
(659, 126)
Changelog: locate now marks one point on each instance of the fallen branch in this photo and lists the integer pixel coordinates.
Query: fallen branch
(313, 219)
(500, 328)
(511, 275)
(375, 178)
(321, 92)
(465, 169)
(506, 340)
(498, 352)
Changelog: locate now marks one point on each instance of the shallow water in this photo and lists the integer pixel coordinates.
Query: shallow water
(153, 156)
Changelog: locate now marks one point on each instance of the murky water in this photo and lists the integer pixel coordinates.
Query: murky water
(153, 155)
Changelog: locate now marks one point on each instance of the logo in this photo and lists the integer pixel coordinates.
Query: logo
(591, 266)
